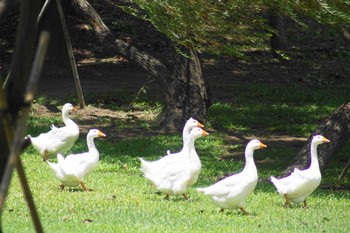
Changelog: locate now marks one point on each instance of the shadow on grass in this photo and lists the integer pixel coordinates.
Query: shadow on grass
(76, 190)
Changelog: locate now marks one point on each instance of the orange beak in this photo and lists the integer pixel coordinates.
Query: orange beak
(100, 134)
(262, 145)
(74, 109)
(204, 133)
(325, 139)
(200, 125)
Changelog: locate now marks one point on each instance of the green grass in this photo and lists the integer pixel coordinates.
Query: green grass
(121, 200)
(295, 111)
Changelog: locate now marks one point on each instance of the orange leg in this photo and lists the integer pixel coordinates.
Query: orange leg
(46, 155)
(185, 196)
(84, 187)
(305, 204)
(244, 211)
(287, 204)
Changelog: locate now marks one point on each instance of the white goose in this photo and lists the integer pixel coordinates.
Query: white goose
(231, 192)
(190, 124)
(57, 140)
(301, 183)
(176, 176)
(72, 170)
(171, 158)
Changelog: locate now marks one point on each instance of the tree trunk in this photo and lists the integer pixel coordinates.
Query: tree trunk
(336, 129)
(188, 95)
(184, 88)
(278, 38)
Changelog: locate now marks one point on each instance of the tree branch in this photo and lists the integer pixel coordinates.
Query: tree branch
(85, 10)
(344, 33)
(152, 65)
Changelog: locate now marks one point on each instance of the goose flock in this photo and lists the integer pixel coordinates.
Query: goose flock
(174, 173)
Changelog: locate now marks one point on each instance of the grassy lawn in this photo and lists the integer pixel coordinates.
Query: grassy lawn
(121, 200)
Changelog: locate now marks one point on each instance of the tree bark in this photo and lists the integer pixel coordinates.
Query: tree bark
(188, 95)
(344, 33)
(278, 38)
(152, 65)
(336, 129)
(85, 10)
(184, 88)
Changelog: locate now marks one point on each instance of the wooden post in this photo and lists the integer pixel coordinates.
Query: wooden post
(71, 55)
(15, 136)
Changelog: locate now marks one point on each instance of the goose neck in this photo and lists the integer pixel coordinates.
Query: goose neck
(249, 160)
(185, 133)
(90, 143)
(66, 119)
(189, 143)
(314, 157)
(190, 149)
